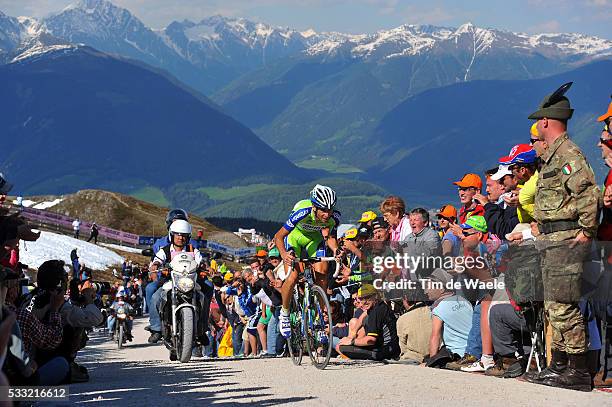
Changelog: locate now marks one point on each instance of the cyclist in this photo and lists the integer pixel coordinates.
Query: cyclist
(310, 228)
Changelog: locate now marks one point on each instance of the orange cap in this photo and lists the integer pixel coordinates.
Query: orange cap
(470, 180)
(448, 211)
(261, 253)
(606, 115)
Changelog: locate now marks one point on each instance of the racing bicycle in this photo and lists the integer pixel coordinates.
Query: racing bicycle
(310, 316)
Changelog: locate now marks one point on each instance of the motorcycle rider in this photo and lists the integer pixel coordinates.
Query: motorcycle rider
(153, 285)
(179, 234)
(120, 302)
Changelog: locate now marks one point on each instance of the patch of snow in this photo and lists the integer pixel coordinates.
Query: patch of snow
(40, 49)
(308, 33)
(47, 204)
(201, 32)
(26, 203)
(324, 47)
(122, 248)
(52, 246)
(263, 30)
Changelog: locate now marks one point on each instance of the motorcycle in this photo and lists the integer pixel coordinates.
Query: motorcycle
(121, 317)
(180, 307)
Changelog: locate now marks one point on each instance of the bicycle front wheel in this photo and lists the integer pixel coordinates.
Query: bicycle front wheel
(295, 343)
(318, 321)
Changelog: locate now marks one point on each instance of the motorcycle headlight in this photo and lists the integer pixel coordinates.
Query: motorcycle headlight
(185, 284)
(121, 313)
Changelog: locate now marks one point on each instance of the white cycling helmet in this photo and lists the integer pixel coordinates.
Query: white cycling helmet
(180, 226)
(323, 197)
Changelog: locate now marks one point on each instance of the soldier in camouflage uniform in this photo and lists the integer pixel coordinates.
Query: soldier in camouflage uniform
(566, 208)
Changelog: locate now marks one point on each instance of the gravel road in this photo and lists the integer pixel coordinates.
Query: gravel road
(142, 375)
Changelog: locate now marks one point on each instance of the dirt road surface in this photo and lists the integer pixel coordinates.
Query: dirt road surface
(142, 375)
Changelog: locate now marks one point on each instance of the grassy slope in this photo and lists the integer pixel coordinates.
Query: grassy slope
(152, 195)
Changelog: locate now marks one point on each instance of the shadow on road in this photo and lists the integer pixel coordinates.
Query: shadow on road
(151, 383)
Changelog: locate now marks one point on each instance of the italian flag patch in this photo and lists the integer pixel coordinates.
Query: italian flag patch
(567, 169)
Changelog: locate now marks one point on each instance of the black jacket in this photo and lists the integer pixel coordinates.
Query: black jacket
(500, 220)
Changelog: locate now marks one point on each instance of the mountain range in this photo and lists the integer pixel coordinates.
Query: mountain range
(377, 107)
(327, 91)
(77, 118)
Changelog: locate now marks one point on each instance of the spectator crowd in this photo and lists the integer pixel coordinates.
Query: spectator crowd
(482, 316)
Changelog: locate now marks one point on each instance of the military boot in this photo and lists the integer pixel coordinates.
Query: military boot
(557, 366)
(575, 377)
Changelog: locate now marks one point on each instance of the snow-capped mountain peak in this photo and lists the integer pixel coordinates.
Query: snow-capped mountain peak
(407, 40)
(226, 48)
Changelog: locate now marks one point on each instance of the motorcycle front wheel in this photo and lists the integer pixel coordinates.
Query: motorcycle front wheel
(184, 340)
(120, 336)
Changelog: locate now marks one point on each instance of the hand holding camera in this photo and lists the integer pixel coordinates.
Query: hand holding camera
(56, 299)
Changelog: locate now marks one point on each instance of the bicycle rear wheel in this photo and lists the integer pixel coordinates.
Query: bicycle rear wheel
(318, 321)
(295, 343)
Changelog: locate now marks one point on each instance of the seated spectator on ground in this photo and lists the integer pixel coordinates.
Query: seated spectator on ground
(478, 243)
(510, 333)
(377, 338)
(414, 327)
(451, 320)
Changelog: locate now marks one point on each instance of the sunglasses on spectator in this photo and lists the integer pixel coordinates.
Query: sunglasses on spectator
(533, 140)
(465, 188)
(606, 142)
(466, 234)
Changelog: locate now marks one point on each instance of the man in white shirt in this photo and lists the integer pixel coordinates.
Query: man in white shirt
(76, 226)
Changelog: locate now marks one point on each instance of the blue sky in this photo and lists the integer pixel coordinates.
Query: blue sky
(592, 17)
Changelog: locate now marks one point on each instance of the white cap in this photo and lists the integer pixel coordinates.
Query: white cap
(502, 171)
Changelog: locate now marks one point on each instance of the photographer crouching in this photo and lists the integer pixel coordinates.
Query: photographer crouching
(77, 314)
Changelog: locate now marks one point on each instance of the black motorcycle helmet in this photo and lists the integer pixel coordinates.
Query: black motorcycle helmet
(175, 214)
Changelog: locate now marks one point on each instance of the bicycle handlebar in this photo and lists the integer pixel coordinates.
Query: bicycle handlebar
(321, 259)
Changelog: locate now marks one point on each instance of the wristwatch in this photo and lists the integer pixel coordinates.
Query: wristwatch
(588, 233)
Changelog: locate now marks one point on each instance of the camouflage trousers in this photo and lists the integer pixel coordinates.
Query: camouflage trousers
(568, 327)
(562, 269)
